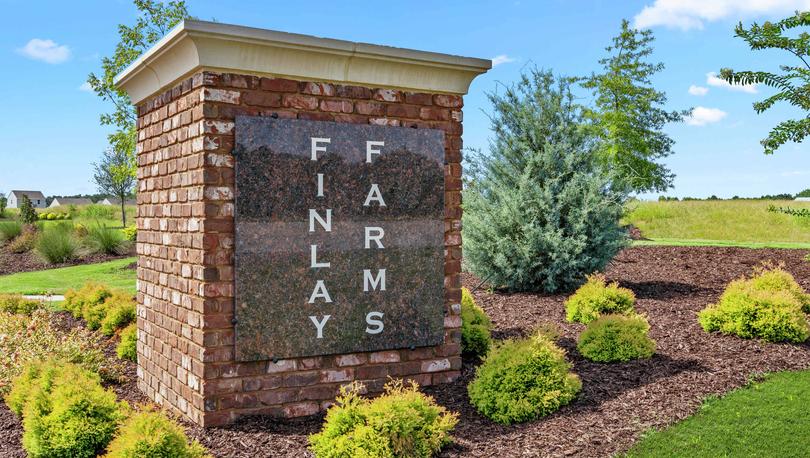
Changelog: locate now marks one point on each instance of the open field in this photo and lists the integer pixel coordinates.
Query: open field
(745, 223)
(115, 274)
(770, 415)
(106, 215)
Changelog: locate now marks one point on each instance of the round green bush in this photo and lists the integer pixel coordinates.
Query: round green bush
(475, 327)
(775, 279)
(42, 216)
(15, 303)
(66, 411)
(402, 422)
(127, 347)
(748, 310)
(152, 435)
(51, 216)
(595, 298)
(616, 338)
(521, 380)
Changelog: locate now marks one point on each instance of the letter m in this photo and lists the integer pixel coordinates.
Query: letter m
(373, 282)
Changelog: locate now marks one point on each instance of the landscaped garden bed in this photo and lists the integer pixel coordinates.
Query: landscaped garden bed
(617, 403)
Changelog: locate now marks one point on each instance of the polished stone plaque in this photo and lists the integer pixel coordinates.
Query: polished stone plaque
(339, 238)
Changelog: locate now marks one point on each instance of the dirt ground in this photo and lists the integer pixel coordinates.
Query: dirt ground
(618, 402)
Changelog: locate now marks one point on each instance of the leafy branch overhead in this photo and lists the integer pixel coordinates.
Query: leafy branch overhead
(155, 20)
(793, 81)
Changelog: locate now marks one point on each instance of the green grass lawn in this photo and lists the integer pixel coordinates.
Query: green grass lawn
(57, 281)
(746, 223)
(769, 418)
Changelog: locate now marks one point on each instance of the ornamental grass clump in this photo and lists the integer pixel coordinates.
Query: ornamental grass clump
(9, 230)
(104, 240)
(616, 338)
(65, 410)
(767, 306)
(402, 422)
(151, 434)
(475, 327)
(127, 347)
(597, 297)
(57, 244)
(521, 380)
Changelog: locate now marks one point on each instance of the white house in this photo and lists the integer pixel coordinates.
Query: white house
(36, 197)
(803, 199)
(117, 202)
(60, 201)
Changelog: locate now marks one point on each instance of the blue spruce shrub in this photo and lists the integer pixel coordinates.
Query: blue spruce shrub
(539, 211)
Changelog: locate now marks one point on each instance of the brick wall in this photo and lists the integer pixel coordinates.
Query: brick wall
(185, 248)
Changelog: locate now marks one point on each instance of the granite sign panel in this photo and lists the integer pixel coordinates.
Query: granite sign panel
(339, 238)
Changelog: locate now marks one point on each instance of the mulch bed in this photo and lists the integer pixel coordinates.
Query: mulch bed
(12, 263)
(618, 402)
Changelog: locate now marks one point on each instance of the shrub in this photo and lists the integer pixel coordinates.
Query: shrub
(127, 347)
(774, 279)
(9, 230)
(596, 297)
(55, 246)
(66, 411)
(152, 435)
(51, 216)
(401, 422)
(101, 239)
(616, 338)
(25, 339)
(25, 241)
(89, 295)
(130, 233)
(27, 213)
(14, 303)
(475, 327)
(120, 311)
(521, 380)
(752, 313)
(42, 216)
(80, 230)
(539, 212)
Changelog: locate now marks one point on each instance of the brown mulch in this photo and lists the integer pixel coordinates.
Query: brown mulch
(12, 263)
(618, 402)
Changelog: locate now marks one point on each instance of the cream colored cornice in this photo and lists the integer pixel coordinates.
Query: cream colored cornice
(193, 46)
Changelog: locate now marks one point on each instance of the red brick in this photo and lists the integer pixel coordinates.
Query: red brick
(278, 85)
(301, 102)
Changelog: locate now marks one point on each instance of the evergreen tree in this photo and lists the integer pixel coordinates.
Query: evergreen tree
(27, 213)
(539, 212)
(628, 113)
(793, 83)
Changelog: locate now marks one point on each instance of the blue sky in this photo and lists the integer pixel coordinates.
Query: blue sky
(51, 133)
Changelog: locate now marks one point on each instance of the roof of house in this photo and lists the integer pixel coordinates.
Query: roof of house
(117, 201)
(30, 194)
(70, 201)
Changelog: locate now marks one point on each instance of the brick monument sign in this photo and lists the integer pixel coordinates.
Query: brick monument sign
(298, 218)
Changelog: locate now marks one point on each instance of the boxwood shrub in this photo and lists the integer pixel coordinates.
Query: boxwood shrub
(475, 327)
(402, 422)
(150, 434)
(767, 306)
(595, 298)
(65, 411)
(521, 380)
(616, 338)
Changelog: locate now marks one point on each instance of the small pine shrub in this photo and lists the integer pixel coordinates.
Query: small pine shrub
(14, 303)
(152, 435)
(130, 233)
(120, 311)
(56, 246)
(27, 213)
(402, 422)
(475, 327)
(751, 313)
(9, 230)
(774, 279)
(595, 298)
(101, 239)
(521, 380)
(66, 412)
(616, 338)
(127, 347)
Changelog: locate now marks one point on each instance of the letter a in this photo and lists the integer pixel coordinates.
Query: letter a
(319, 291)
(374, 194)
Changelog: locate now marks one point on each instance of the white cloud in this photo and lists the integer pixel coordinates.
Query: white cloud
(85, 87)
(701, 116)
(693, 14)
(46, 51)
(502, 59)
(713, 80)
(698, 90)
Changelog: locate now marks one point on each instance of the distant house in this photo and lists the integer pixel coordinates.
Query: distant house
(117, 202)
(65, 201)
(803, 199)
(36, 197)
